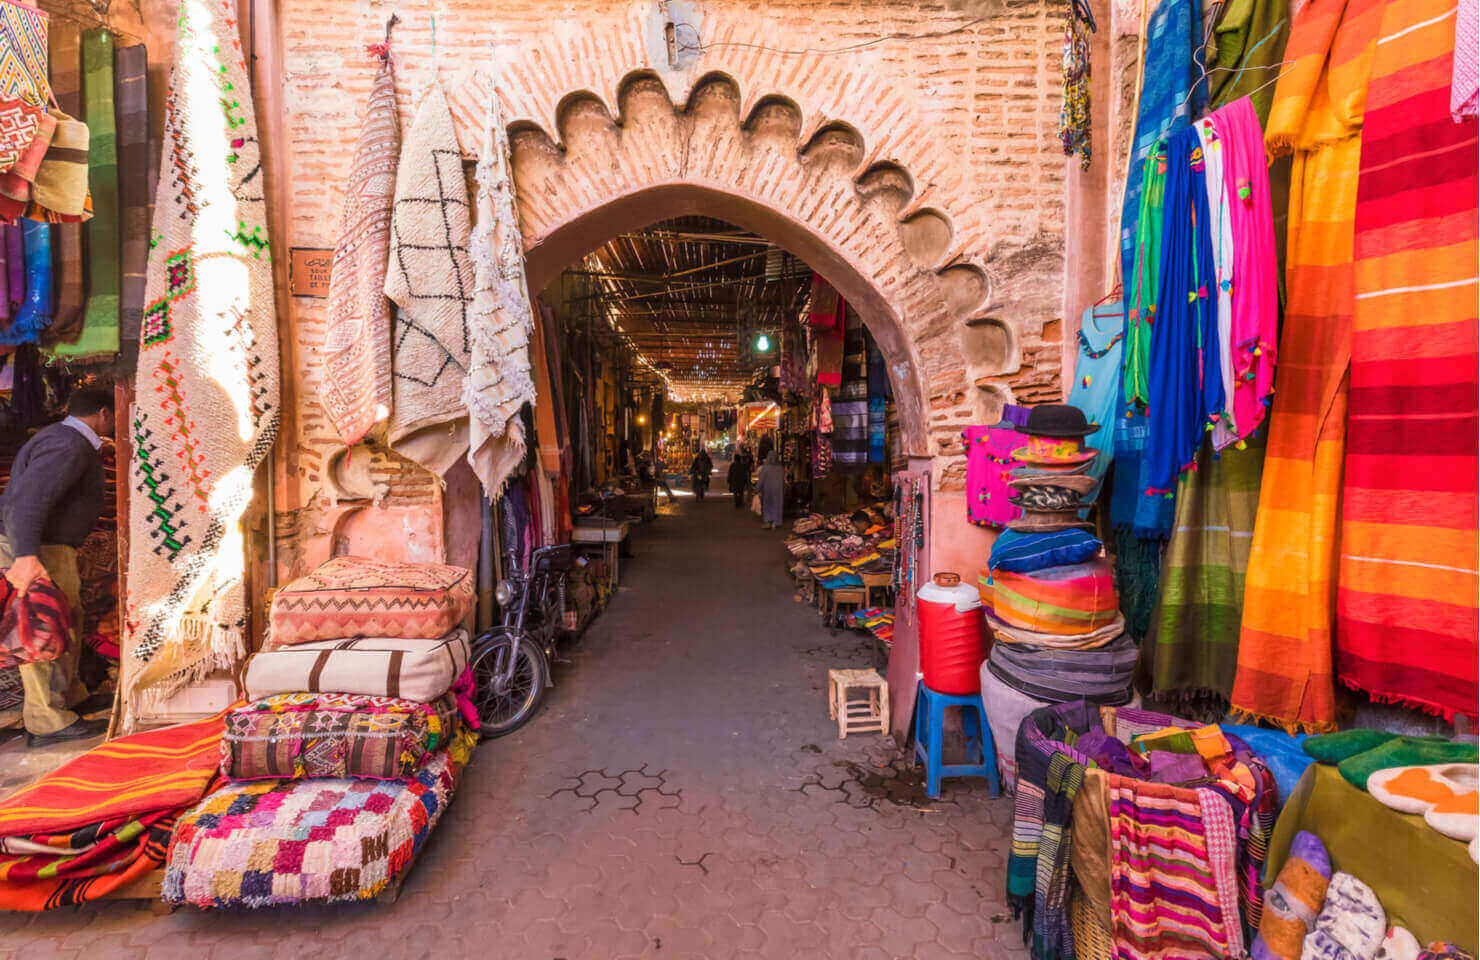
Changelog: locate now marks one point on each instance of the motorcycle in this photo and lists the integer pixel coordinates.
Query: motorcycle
(511, 662)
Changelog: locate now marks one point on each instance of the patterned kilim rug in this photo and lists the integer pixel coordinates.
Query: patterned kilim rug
(206, 410)
(356, 392)
(430, 280)
(23, 31)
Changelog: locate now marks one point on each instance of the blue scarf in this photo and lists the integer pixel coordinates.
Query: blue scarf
(1184, 377)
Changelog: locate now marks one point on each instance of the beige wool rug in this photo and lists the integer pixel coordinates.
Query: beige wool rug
(206, 406)
(430, 280)
(499, 381)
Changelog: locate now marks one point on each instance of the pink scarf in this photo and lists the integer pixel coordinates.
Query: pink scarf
(1255, 293)
(989, 464)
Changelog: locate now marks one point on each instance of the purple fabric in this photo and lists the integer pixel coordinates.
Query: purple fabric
(1109, 753)
(1014, 415)
(1163, 766)
(989, 462)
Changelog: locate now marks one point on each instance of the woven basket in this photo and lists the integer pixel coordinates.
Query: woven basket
(1091, 940)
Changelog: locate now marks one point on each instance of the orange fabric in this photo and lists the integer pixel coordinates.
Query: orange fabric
(1464, 803)
(1419, 784)
(1284, 663)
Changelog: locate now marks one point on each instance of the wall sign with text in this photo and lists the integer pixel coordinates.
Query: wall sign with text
(308, 271)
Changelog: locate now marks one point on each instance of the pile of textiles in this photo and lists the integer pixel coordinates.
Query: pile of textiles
(876, 620)
(862, 540)
(1172, 860)
(103, 821)
(1048, 588)
(357, 723)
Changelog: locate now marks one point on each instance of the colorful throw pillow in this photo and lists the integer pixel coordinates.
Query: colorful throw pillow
(295, 735)
(362, 597)
(1018, 552)
(406, 669)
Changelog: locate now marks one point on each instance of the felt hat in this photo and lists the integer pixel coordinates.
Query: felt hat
(1049, 522)
(1077, 482)
(1046, 499)
(1058, 420)
(1049, 473)
(1048, 451)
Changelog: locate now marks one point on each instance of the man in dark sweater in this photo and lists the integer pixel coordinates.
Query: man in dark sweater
(48, 508)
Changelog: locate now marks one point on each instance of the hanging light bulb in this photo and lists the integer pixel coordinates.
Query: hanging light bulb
(763, 344)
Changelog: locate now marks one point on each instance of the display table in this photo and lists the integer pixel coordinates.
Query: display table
(610, 534)
(1426, 881)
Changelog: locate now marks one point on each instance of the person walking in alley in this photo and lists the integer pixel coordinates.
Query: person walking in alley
(699, 471)
(739, 475)
(48, 508)
(772, 485)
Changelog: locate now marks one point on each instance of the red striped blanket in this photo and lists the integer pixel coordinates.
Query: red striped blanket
(1407, 587)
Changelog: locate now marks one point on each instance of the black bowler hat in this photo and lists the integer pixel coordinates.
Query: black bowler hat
(1057, 420)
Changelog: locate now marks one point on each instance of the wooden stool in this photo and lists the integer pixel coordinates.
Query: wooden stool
(877, 581)
(852, 596)
(866, 714)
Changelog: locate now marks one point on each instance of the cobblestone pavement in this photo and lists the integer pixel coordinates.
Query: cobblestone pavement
(683, 794)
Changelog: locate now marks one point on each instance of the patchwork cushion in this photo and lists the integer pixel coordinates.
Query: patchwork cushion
(403, 668)
(295, 735)
(268, 842)
(361, 597)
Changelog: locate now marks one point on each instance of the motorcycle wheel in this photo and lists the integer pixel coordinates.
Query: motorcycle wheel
(504, 708)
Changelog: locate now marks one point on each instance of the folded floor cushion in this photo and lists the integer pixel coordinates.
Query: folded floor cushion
(295, 735)
(1083, 641)
(361, 597)
(407, 669)
(1102, 676)
(1074, 599)
(268, 842)
(1018, 552)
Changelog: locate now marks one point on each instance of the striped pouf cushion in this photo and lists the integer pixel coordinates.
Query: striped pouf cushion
(1067, 600)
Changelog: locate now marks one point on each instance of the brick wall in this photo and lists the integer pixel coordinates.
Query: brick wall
(926, 170)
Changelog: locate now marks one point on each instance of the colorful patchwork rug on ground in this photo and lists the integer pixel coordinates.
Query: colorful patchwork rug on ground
(206, 410)
(1406, 604)
(270, 843)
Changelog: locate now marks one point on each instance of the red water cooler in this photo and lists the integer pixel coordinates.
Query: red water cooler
(953, 635)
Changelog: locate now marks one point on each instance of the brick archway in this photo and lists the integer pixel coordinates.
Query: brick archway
(817, 190)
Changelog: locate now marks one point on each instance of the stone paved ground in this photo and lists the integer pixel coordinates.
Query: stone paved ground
(682, 795)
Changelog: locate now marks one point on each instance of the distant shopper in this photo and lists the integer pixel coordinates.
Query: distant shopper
(48, 508)
(772, 485)
(739, 475)
(699, 472)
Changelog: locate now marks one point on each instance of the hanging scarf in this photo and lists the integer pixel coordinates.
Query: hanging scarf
(1284, 660)
(1145, 281)
(1196, 624)
(1406, 610)
(35, 313)
(1074, 112)
(356, 389)
(1220, 233)
(1186, 387)
(206, 412)
(15, 265)
(498, 382)
(1255, 296)
(1169, 99)
(1464, 81)
(131, 82)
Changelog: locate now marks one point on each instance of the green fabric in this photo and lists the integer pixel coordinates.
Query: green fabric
(1336, 747)
(1145, 283)
(1250, 37)
(100, 322)
(1426, 881)
(1405, 752)
(1195, 630)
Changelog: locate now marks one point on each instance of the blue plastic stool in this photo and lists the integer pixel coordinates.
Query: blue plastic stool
(930, 713)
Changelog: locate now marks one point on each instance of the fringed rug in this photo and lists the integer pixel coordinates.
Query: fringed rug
(499, 381)
(356, 391)
(206, 410)
(430, 280)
